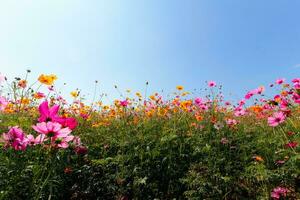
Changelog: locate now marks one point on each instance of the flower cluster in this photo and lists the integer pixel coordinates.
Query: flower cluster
(52, 130)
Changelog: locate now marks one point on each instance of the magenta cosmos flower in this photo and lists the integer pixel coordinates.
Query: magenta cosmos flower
(211, 83)
(48, 114)
(276, 119)
(51, 114)
(16, 138)
(279, 192)
(280, 81)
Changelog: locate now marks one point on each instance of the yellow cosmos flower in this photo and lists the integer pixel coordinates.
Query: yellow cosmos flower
(74, 94)
(47, 79)
(138, 94)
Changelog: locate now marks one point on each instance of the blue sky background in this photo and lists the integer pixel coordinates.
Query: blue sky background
(240, 44)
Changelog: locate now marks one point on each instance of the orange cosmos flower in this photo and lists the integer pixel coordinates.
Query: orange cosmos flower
(258, 158)
(47, 79)
(179, 87)
(22, 83)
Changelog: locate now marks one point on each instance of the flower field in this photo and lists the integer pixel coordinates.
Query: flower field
(149, 146)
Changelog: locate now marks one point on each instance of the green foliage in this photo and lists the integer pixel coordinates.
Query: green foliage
(158, 158)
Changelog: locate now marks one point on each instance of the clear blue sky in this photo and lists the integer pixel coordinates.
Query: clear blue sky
(241, 44)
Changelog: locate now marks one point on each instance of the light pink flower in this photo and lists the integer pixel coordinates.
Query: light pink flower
(276, 119)
(239, 111)
(231, 122)
(3, 103)
(38, 140)
(51, 129)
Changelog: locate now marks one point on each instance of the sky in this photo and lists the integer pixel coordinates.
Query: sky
(239, 44)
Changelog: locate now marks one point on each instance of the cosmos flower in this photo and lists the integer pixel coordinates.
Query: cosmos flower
(3, 103)
(124, 103)
(279, 192)
(280, 81)
(211, 84)
(179, 87)
(46, 113)
(47, 79)
(15, 137)
(276, 119)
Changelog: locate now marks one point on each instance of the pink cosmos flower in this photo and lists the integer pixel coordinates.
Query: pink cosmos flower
(296, 81)
(51, 129)
(124, 103)
(15, 137)
(276, 119)
(279, 192)
(51, 114)
(280, 81)
(67, 122)
(211, 84)
(3, 103)
(224, 140)
(198, 101)
(231, 122)
(60, 137)
(46, 113)
(38, 140)
(81, 150)
(291, 145)
(239, 111)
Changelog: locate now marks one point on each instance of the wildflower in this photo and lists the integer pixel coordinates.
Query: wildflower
(239, 111)
(69, 122)
(231, 122)
(47, 79)
(38, 140)
(15, 137)
(279, 162)
(218, 125)
(46, 113)
(60, 137)
(3, 103)
(124, 103)
(258, 158)
(179, 87)
(51, 129)
(291, 145)
(279, 192)
(138, 94)
(81, 150)
(280, 81)
(68, 170)
(212, 84)
(224, 140)
(276, 119)
(22, 83)
(198, 101)
(38, 95)
(74, 94)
